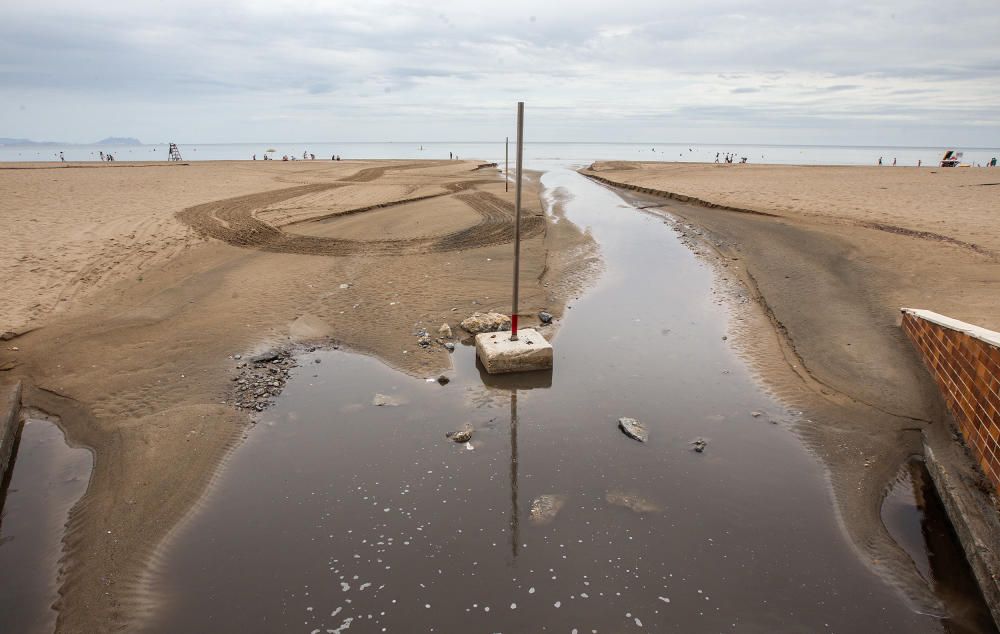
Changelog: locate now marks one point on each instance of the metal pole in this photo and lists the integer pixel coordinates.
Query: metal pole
(515, 538)
(506, 164)
(517, 217)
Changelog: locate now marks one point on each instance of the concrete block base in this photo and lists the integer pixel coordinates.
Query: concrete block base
(500, 355)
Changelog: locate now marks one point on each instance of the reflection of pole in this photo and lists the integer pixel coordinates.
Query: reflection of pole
(514, 537)
(506, 164)
(517, 218)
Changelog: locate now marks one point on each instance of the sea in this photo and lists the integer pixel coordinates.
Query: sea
(535, 153)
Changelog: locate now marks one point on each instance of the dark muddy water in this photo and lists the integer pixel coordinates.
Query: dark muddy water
(47, 479)
(338, 515)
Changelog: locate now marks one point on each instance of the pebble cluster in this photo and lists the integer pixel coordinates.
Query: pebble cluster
(260, 379)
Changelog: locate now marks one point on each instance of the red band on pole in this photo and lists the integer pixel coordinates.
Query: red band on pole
(513, 325)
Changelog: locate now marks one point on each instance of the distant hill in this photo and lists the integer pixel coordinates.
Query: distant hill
(119, 140)
(9, 141)
(111, 140)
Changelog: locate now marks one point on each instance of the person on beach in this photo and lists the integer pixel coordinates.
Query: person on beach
(716, 157)
(920, 162)
(880, 160)
(450, 156)
(894, 161)
(102, 155)
(255, 157)
(62, 158)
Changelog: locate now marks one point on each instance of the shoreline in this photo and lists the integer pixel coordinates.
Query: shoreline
(140, 369)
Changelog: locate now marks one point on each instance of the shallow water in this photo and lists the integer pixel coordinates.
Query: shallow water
(336, 514)
(47, 479)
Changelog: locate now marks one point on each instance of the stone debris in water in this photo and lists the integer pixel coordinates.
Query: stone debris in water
(443, 380)
(633, 429)
(632, 501)
(756, 414)
(445, 331)
(486, 322)
(544, 317)
(461, 435)
(381, 400)
(699, 444)
(449, 346)
(544, 508)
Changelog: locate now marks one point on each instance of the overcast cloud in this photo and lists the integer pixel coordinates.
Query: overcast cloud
(888, 72)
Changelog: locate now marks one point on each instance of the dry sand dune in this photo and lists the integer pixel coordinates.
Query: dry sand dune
(143, 283)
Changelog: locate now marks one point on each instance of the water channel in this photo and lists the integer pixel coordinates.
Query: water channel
(338, 515)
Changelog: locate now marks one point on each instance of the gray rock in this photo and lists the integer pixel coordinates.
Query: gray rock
(424, 341)
(449, 346)
(486, 322)
(633, 429)
(544, 317)
(461, 435)
(443, 380)
(445, 331)
(264, 357)
(699, 444)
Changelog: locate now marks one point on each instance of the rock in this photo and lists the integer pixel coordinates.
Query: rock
(632, 501)
(443, 380)
(633, 429)
(544, 317)
(317, 360)
(756, 414)
(699, 444)
(424, 341)
(461, 435)
(381, 400)
(237, 356)
(544, 508)
(449, 346)
(445, 331)
(345, 286)
(486, 322)
(264, 357)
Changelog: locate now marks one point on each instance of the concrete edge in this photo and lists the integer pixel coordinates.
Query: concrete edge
(973, 517)
(988, 336)
(10, 409)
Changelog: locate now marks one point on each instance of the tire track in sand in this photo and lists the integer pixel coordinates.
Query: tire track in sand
(232, 221)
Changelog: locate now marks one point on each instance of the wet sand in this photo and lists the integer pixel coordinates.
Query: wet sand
(829, 255)
(135, 287)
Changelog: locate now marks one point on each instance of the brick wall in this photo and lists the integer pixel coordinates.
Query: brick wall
(965, 362)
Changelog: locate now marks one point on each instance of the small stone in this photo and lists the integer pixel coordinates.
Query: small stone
(264, 357)
(345, 286)
(544, 317)
(443, 380)
(632, 501)
(424, 341)
(445, 331)
(462, 435)
(382, 400)
(699, 444)
(633, 429)
(449, 346)
(544, 508)
(237, 356)
(317, 360)
(756, 414)
(486, 322)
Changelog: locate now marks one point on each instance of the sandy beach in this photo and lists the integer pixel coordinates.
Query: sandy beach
(827, 256)
(132, 291)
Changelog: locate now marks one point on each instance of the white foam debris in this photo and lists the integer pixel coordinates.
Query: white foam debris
(344, 626)
(557, 604)
(344, 587)
(337, 611)
(513, 606)
(664, 599)
(638, 623)
(364, 585)
(531, 590)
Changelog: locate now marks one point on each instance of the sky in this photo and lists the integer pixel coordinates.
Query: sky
(882, 72)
